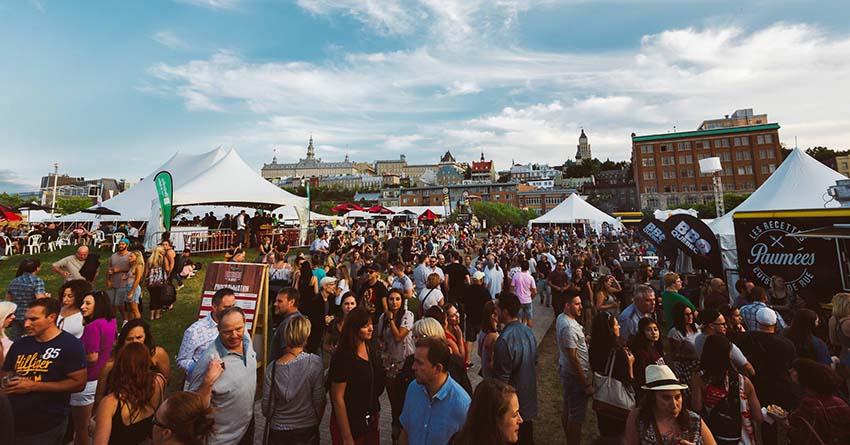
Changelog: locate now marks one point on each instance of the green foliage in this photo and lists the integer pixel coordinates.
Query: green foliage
(11, 200)
(592, 167)
(72, 204)
(497, 214)
(824, 154)
(324, 208)
(707, 210)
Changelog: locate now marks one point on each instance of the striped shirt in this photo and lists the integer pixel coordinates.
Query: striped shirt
(23, 290)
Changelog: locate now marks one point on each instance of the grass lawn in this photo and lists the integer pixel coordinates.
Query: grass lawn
(547, 425)
(167, 331)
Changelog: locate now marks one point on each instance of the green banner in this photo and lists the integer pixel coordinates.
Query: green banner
(162, 181)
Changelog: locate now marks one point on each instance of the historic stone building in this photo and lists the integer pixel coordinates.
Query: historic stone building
(583, 148)
(313, 166)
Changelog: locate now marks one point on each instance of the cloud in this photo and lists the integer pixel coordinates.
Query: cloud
(11, 182)
(212, 4)
(514, 102)
(170, 39)
(38, 5)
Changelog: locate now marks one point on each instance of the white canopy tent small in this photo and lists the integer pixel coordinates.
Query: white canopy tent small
(575, 210)
(231, 182)
(800, 182)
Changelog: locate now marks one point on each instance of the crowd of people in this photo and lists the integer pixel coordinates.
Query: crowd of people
(403, 310)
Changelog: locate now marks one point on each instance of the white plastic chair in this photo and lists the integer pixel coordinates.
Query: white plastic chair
(98, 238)
(116, 237)
(8, 245)
(34, 244)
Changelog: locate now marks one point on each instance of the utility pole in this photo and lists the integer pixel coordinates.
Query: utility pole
(55, 181)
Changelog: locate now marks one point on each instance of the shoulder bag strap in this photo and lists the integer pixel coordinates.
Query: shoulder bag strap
(812, 430)
(609, 368)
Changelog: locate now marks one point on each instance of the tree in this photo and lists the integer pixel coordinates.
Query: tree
(11, 200)
(497, 214)
(72, 204)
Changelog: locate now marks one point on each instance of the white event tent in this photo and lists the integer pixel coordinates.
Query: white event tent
(575, 210)
(227, 181)
(800, 182)
(135, 203)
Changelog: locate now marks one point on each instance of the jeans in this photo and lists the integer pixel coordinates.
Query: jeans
(544, 291)
(53, 436)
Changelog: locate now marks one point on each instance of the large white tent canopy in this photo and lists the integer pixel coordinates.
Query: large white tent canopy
(800, 182)
(575, 210)
(135, 203)
(227, 181)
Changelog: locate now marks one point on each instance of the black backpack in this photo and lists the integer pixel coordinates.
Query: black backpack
(724, 420)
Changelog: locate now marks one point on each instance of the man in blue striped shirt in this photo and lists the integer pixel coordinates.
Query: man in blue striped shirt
(23, 290)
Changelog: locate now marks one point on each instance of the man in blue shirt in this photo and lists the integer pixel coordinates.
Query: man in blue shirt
(23, 290)
(435, 406)
(515, 362)
(643, 306)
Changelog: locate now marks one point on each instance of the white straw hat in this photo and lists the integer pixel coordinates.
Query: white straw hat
(660, 378)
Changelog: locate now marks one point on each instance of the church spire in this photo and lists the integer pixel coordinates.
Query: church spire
(482, 155)
(311, 154)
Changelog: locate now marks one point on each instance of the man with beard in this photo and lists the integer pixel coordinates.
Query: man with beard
(116, 275)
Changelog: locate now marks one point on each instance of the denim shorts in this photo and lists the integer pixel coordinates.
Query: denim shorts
(527, 309)
(575, 401)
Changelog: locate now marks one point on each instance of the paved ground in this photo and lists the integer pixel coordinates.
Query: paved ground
(543, 318)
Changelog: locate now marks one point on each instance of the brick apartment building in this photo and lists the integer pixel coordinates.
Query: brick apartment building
(666, 166)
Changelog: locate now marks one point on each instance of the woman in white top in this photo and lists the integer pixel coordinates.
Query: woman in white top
(70, 318)
(343, 283)
(7, 315)
(431, 295)
(394, 329)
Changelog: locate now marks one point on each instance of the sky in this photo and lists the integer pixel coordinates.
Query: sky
(113, 89)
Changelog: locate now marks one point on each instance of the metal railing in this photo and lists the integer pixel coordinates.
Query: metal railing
(214, 241)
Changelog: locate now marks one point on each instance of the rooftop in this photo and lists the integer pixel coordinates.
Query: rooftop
(715, 132)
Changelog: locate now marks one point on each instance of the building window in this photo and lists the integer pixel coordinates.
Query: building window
(646, 149)
(724, 156)
(764, 139)
(766, 154)
(668, 160)
(687, 173)
(703, 156)
(742, 155)
(683, 146)
(721, 143)
(686, 159)
(666, 147)
(844, 165)
(648, 162)
(650, 189)
(727, 171)
(745, 170)
(669, 189)
(691, 199)
(669, 174)
(649, 174)
(497, 197)
(673, 200)
(740, 142)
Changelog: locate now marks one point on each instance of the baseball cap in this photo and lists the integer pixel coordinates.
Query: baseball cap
(766, 317)
(478, 275)
(326, 281)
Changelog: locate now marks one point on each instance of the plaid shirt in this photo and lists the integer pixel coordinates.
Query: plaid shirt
(23, 290)
(196, 339)
(748, 314)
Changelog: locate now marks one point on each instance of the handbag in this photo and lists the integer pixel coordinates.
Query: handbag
(611, 396)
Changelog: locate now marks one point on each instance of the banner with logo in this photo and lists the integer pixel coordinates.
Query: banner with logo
(767, 247)
(248, 281)
(656, 233)
(162, 182)
(692, 236)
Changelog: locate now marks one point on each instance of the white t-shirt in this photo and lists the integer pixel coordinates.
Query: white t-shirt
(72, 325)
(430, 297)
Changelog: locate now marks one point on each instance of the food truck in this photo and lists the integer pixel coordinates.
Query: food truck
(808, 248)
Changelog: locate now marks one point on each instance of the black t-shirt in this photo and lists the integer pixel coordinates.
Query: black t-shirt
(50, 361)
(355, 372)
(771, 356)
(474, 299)
(458, 274)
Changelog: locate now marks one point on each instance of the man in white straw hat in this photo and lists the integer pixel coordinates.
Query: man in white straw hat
(660, 417)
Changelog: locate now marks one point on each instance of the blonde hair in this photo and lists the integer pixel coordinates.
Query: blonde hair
(428, 327)
(297, 332)
(157, 255)
(6, 308)
(344, 274)
(140, 260)
(670, 279)
(841, 305)
(432, 281)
